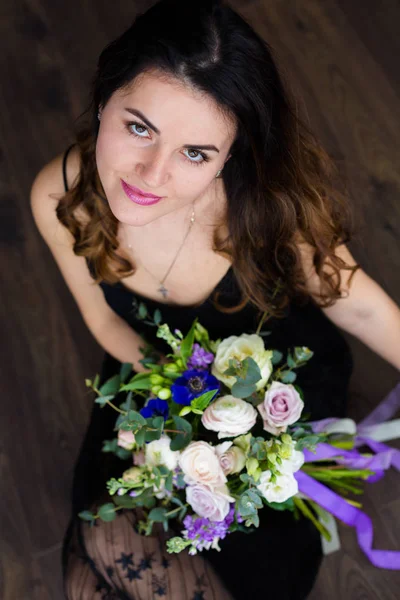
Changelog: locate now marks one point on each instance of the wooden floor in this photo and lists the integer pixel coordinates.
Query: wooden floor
(342, 57)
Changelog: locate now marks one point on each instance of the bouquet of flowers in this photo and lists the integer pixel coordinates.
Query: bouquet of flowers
(221, 434)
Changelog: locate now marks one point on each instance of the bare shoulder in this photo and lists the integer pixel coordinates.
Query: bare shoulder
(46, 191)
(48, 185)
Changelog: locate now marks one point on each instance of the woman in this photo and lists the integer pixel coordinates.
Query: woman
(257, 226)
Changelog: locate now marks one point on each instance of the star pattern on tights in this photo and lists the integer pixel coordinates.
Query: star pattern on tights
(159, 586)
(146, 562)
(125, 560)
(133, 574)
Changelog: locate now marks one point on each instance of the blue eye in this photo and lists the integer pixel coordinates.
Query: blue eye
(205, 157)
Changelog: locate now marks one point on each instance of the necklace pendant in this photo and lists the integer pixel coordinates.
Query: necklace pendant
(163, 290)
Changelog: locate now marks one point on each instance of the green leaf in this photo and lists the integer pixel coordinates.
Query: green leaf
(110, 445)
(158, 514)
(181, 440)
(122, 453)
(255, 497)
(253, 373)
(86, 515)
(150, 436)
(187, 343)
(128, 404)
(111, 386)
(142, 312)
(288, 376)
(141, 381)
(291, 363)
(168, 482)
(107, 512)
(287, 505)
(242, 390)
(140, 436)
(201, 402)
(125, 371)
(102, 400)
(185, 411)
(157, 316)
(136, 417)
(276, 357)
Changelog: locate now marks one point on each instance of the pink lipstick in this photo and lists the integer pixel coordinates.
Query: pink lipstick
(139, 197)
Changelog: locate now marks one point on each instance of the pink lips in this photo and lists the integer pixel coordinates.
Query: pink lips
(136, 195)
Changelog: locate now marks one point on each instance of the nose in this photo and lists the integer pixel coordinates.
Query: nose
(154, 171)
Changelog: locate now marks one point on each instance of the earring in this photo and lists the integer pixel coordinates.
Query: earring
(99, 115)
(218, 174)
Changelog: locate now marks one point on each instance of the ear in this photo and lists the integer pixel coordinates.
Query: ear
(226, 160)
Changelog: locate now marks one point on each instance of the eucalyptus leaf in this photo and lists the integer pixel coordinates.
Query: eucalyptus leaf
(157, 316)
(106, 512)
(86, 515)
(181, 440)
(125, 371)
(288, 376)
(103, 400)
(158, 514)
(142, 312)
(136, 417)
(109, 445)
(291, 363)
(140, 436)
(242, 390)
(111, 386)
(276, 357)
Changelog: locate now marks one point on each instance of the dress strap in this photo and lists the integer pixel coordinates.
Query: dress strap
(64, 165)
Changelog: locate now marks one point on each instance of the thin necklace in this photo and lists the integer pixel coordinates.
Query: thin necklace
(164, 291)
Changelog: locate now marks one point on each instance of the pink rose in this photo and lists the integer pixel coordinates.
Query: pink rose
(209, 503)
(200, 464)
(126, 439)
(282, 406)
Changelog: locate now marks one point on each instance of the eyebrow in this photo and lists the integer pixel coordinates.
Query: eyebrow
(139, 114)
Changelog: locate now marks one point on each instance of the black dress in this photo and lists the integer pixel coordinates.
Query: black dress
(281, 559)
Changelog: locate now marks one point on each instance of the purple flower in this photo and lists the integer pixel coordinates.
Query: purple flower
(191, 384)
(155, 408)
(200, 358)
(205, 533)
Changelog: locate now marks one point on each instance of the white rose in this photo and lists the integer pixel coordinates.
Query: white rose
(158, 452)
(211, 504)
(240, 347)
(229, 416)
(126, 439)
(284, 488)
(200, 464)
(232, 458)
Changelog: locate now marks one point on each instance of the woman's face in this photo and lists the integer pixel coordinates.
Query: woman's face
(164, 158)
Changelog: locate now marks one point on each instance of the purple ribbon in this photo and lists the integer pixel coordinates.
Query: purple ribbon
(337, 506)
(384, 458)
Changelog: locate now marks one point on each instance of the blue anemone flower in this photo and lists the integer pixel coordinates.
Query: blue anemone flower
(155, 408)
(191, 384)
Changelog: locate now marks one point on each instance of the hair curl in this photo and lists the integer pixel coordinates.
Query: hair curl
(281, 185)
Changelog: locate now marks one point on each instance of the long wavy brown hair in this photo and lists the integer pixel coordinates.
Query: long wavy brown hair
(282, 187)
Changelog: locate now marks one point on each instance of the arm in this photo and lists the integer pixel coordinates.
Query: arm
(110, 330)
(366, 311)
(121, 341)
